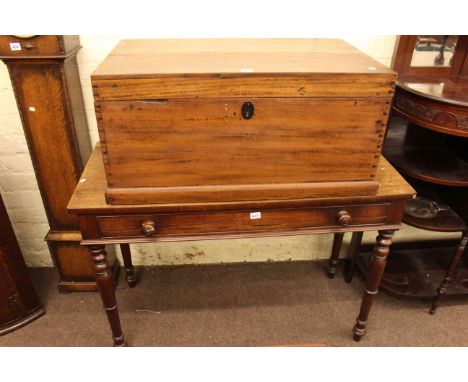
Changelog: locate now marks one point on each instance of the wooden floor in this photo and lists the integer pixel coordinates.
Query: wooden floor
(266, 304)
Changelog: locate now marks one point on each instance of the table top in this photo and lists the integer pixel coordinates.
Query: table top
(89, 195)
(148, 58)
(450, 92)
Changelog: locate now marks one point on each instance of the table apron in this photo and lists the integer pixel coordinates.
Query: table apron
(237, 235)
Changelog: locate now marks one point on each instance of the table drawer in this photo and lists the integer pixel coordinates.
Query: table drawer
(149, 225)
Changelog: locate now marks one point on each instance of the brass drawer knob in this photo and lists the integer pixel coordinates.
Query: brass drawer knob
(343, 217)
(148, 228)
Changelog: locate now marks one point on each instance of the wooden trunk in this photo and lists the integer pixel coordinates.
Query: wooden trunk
(239, 120)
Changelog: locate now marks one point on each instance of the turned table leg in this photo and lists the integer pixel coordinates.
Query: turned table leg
(352, 255)
(450, 272)
(376, 270)
(128, 265)
(335, 253)
(107, 290)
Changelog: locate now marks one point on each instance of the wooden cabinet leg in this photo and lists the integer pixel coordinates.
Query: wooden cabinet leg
(335, 253)
(352, 255)
(376, 270)
(450, 272)
(106, 287)
(128, 265)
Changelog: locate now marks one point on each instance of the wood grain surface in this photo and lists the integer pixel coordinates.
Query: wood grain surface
(171, 127)
(89, 195)
(240, 221)
(242, 192)
(207, 142)
(210, 68)
(140, 58)
(47, 88)
(244, 85)
(48, 128)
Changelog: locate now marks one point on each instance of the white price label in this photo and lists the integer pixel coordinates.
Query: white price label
(15, 46)
(255, 215)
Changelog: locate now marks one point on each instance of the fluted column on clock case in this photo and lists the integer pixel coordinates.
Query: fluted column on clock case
(45, 79)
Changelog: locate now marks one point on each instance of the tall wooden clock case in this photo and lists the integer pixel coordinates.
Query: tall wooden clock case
(44, 74)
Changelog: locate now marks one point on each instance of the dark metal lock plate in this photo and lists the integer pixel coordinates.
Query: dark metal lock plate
(247, 110)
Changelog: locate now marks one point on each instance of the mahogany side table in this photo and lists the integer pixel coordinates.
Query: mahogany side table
(101, 224)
